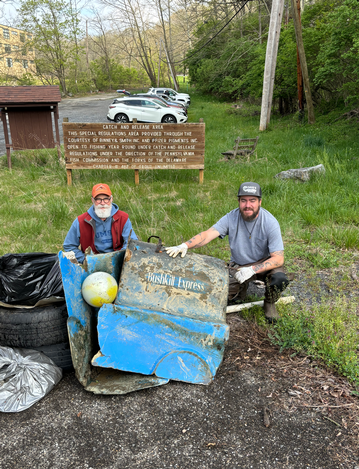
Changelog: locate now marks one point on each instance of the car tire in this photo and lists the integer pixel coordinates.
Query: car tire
(60, 354)
(169, 119)
(35, 327)
(121, 118)
(41, 328)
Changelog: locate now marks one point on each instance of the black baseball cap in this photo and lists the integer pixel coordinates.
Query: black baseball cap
(250, 188)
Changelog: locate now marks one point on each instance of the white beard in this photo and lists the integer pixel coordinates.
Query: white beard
(103, 212)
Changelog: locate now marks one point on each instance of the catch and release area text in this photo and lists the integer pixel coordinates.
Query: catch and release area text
(134, 146)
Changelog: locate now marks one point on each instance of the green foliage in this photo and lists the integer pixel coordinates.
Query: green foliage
(328, 331)
(232, 64)
(338, 58)
(108, 74)
(255, 314)
(26, 79)
(55, 29)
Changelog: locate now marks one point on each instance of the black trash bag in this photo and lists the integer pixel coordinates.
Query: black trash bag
(27, 278)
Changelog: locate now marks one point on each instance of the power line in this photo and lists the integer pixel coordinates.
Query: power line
(211, 39)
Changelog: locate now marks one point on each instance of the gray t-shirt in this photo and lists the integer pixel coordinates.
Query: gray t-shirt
(265, 236)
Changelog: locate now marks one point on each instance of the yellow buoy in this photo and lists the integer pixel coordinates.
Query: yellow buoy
(99, 288)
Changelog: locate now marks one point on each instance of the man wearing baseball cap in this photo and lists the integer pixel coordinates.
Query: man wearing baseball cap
(257, 251)
(103, 228)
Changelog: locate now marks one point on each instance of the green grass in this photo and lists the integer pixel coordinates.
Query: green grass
(319, 219)
(328, 331)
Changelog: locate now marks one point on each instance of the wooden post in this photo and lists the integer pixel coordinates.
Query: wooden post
(57, 132)
(69, 177)
(303, 62)
(137, 177)
(7, 140)
(270, 62)
(201, 173)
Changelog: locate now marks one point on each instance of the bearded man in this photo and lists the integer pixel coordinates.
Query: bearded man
(256, 244)
(103, 228)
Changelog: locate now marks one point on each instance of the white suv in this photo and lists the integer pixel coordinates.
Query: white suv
(182, 98)
(144, 110)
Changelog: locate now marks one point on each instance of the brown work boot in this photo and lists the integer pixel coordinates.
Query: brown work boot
(270, 312)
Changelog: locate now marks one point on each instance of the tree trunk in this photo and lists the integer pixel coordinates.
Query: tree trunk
(303, 62)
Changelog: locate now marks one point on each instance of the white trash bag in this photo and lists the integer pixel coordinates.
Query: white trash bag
(26, 376)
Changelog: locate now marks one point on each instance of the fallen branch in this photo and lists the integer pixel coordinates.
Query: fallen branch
(348, 115)
(325, 405)
(330, 420)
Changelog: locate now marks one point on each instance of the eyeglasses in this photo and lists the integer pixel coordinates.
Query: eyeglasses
(105, 200)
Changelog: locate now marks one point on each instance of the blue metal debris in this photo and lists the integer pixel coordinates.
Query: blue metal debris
(168, 321)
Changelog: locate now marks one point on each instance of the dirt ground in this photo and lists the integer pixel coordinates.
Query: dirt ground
(264, 409)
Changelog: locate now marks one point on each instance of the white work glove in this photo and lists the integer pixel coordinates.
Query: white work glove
(244, 274)
(175, 250)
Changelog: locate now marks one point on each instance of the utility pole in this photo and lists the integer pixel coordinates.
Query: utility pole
(259, 22)
(271, 61)
(87, 44)
(299, 76)
(303, 62)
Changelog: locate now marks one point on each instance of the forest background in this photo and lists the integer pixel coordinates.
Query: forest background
(219, 45)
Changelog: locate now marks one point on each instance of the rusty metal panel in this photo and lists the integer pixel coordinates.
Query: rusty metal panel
(81, 326)
(149, 342)
(169, 320)
(195, 286)
(169, 316)
(31, 128)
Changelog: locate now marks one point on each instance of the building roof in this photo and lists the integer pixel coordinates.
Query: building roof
(29, 94)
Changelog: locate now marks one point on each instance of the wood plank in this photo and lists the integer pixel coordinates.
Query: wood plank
(136, 166)
(134, 146)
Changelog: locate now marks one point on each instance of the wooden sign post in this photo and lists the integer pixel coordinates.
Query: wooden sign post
(134, 146)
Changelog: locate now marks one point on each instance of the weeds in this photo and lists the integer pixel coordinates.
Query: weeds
(328, 330)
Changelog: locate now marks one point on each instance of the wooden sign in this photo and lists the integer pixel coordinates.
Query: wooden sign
(134, 146)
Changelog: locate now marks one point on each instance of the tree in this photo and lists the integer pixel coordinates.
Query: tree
(54, 25)
(134, 18)
(338, 58)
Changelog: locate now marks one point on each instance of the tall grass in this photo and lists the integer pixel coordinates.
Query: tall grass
(173, 205)
(319, 219)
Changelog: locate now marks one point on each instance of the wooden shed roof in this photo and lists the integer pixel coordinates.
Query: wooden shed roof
(29, 94)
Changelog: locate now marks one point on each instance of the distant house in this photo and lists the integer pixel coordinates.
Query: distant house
(16, 55)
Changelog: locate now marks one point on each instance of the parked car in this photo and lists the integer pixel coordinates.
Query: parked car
(127, 93)
(163, 100)
(169, 100)
(183, 98)
(144, 110)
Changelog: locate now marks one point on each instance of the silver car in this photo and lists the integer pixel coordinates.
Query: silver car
(144, 110)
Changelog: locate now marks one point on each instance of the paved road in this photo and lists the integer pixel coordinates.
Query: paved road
(88, 109)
